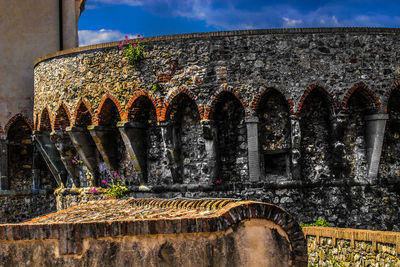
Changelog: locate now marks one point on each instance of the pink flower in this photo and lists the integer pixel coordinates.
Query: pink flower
(126, 38)
(115, 174)
(94, 190)
(73, 161)
(104, 182)
(120, 45)
(138, 35)
(218, 181)
(134, 45)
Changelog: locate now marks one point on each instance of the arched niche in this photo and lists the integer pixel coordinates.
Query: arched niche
(274, 133)
(390, 158)
(20, 154)
(146, 136)
(83, 116)
(187, 140)
(109, 114)
(61, 120)
(229, 117)
(316, 148)
(45, 123)
(358, 106)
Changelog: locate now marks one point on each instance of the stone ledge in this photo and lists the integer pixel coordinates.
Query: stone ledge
(225, 34)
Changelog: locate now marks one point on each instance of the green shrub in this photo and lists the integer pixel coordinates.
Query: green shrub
(319, 222)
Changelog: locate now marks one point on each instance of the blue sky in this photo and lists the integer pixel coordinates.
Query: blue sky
(110, 20)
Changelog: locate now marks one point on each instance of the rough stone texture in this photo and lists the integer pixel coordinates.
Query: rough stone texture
(390, 159)
(350, 247)
(365, 207)
(158, 232)
(20, 207)
(315, 160)
(274, 134)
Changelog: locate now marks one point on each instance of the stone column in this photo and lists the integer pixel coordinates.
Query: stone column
(105, 138)
(35, 169)
(375, 132)
(296, 143)
(69, 25)
(210, 141)
(51, 156)
(86, 148)
(4, 183)
(135, 141)
(253, 148)
(170, 171)
(63, 143)
(338, 127)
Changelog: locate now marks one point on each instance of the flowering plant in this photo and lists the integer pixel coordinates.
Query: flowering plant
(115, 189)
(76, 161)
(132, 50)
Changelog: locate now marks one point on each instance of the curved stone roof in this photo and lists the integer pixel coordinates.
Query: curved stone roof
(112, 218)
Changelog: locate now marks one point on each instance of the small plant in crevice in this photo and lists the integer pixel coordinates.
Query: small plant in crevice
(157, 88)
(133, 50)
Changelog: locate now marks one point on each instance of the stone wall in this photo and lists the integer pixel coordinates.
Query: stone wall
(295, 117)
(350, 247)
(20, 207)
(362, 207)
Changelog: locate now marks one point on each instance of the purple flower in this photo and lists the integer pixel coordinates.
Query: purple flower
(138, 35)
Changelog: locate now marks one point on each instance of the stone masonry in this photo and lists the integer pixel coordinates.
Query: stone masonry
(303, 118)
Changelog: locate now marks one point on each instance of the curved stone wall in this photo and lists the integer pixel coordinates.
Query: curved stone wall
(295, 107)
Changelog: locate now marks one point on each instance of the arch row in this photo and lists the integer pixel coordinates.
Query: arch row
(45, 120)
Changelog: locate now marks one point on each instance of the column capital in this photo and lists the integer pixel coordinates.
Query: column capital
(252, 119)
(377, 117)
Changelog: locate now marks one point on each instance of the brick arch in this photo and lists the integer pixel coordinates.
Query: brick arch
(332, 102)
(366, 92)
(255, 102)
(138, 94)
(215, 98)
(45, 120)
(60, 123)
(103, 101)
(388, 94)
(14, 119)
(78, 111)
(171, 97)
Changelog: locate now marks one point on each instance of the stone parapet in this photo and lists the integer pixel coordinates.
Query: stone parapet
(348, 247)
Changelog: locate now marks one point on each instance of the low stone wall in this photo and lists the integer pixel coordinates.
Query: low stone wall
(20, 207)
(350, 247)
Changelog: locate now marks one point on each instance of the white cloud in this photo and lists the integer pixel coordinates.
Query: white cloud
(88, 37)
(292, 22)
